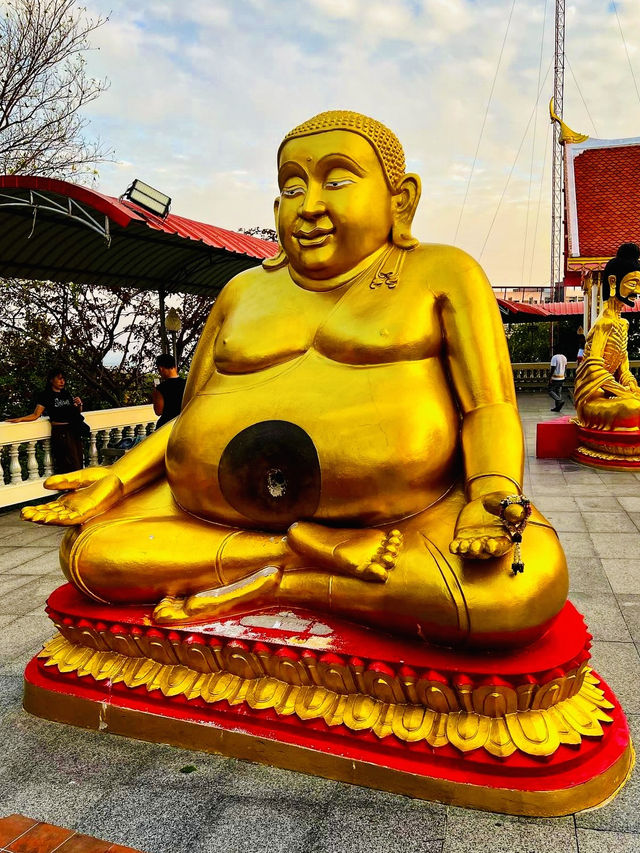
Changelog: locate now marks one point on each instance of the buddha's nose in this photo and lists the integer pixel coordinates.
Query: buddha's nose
(312, 205)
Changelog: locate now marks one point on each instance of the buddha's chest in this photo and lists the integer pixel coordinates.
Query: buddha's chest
(362, 325)
(615, 347)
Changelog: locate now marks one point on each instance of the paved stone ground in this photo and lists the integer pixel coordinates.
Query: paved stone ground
(133, 793)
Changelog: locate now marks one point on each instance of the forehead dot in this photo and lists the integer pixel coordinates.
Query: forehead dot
(308, 159)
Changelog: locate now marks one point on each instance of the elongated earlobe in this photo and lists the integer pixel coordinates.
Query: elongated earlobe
(405, 202)
(280, 259)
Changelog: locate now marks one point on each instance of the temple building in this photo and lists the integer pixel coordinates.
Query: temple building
(601, 210)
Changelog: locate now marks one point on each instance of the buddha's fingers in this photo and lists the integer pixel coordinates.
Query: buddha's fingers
(75, 479)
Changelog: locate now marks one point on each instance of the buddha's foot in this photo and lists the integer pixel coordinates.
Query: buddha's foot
(366, 554)
(214, 603)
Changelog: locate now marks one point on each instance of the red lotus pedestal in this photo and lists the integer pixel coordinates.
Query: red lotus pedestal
(615, 449)
(533, 731)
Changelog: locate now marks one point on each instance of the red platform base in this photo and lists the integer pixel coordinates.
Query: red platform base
(534, 732)
(615, 449)
(556, 439)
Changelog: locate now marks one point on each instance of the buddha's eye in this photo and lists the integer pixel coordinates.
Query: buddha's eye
(289, 192)
(338, 184)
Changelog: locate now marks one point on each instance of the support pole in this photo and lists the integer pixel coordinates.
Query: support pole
(557, 166)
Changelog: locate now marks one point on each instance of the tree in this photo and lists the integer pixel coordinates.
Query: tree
(106, 341)
(44, 87)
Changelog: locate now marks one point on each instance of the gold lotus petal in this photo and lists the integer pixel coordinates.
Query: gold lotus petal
(499, 742)
(533, 732)
(566, 733)
(361, 712)
(467, 731)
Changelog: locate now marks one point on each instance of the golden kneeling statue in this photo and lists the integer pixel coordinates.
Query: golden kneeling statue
(349, 429)
(606, 393)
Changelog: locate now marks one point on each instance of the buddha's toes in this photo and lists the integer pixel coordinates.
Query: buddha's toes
(369, 554)
(214, 603)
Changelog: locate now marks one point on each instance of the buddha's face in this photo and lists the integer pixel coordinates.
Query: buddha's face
(629, 287)
(335, 207)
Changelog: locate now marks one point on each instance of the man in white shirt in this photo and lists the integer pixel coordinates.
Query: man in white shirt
(556, 378)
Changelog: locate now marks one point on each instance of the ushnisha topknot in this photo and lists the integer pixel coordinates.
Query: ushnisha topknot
(384, 141)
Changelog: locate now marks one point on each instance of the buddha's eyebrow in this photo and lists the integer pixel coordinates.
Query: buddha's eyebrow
(290, 169)
(337, 160)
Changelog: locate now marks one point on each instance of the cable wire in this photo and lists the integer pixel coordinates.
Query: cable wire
(533, 148)
(484, 121)
(535, 228)
(513, 166)
(626, 49)
(575, 80)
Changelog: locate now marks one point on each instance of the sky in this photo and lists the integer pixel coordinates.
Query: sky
(202, 92)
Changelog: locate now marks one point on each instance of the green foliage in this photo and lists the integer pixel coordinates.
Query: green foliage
(106, 341)
(529, 342)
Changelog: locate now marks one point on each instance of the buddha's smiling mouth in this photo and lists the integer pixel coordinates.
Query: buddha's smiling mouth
(313, 238)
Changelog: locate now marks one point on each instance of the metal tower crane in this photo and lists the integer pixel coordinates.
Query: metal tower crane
(557, 167)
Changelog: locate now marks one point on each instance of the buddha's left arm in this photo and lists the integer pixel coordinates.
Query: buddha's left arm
(478, 361)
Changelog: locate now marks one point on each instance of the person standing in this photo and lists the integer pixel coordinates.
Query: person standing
(66, 422)
(167, 395)
(556, 379)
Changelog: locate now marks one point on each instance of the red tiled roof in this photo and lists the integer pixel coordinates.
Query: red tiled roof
(606, 198)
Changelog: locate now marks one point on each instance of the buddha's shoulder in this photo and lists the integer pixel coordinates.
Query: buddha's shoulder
(246, 282)
(445, 267)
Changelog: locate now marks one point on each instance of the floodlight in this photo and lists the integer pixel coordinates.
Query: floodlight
(148, 198)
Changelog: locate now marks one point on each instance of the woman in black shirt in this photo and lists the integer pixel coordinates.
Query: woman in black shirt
(64, 413)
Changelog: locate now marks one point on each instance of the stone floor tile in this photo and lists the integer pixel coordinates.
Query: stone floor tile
(602, 615)
(597, 503)
(625, 546)
(587, 575)
(246, 779)
(482, 832)
(603, 491)
(58, 804)
(623, 575)
(10, 582)
(630, 503)
(41, 565)
(609, 522)
(622, 814)
(617, 476)
(24, 634)
(361, 829)
(153, 819)
(549, 504)
(635, 517)
(630, 609)
(27, 534)
(577, 544)
(598, 841)
(23, 599)
(12, 557)
(13, 826)
(619, 665)
(567, 521)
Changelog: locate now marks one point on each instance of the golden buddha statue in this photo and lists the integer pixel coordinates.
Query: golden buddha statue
(348, 433)
(606, 394)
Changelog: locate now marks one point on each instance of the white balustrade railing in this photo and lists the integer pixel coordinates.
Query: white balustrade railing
(25, 449)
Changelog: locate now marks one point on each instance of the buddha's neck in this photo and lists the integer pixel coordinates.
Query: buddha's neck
(370, 263)
(615, 306)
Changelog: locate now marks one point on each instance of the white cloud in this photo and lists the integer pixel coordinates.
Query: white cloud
(202, 92)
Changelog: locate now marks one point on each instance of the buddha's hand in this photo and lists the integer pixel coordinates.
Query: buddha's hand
(480, 533)
(92, 491)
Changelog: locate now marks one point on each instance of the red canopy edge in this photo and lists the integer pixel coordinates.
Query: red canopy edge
(125, 212)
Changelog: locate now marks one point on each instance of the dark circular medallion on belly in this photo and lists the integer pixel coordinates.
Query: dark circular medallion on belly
(270, 472)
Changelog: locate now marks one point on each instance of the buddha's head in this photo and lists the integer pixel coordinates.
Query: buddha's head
(621, 276)
(344, 194)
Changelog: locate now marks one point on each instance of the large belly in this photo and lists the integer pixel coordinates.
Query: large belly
(316, 439)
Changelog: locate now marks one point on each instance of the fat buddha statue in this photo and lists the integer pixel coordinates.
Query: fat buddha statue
(349, 436)
(606, 394)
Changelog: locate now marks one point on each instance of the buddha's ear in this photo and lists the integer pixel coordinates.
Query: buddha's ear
(280, 259)
(404, 204)
(613, 282)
